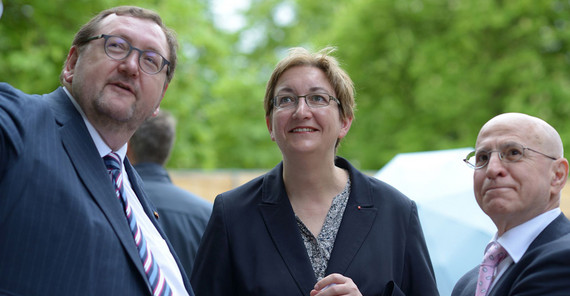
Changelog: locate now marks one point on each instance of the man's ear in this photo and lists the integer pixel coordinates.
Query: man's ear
(559, 175)
(70, 63)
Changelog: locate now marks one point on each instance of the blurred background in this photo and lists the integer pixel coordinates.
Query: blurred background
(428, 74)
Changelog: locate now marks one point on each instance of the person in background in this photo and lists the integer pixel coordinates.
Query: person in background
(183, 215)
(74, 218)
(314, 225)
(520, 171)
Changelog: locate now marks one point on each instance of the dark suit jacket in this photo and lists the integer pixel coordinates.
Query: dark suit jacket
(252, 245)
(543, 270)
(183, 215)
(62, 230)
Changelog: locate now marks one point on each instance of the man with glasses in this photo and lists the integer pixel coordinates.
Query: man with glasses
(74, 219)
(519, 172)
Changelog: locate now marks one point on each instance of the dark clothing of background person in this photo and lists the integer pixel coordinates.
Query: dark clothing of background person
(183, 215)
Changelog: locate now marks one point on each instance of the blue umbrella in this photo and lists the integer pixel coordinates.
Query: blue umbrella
(455, 228)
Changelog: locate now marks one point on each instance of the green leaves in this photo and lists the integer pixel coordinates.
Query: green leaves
(428, 73)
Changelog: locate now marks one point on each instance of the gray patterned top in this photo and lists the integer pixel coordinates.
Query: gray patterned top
(319, 249)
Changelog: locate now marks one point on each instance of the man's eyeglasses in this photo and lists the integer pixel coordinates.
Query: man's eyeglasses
(118, 49)
(510, 153)
(316, 100)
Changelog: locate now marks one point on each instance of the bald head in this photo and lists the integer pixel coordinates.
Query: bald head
(539, 134)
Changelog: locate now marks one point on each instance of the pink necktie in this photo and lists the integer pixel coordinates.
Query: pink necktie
(493, 256)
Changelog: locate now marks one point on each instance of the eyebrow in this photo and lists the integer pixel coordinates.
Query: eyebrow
(149, 48)
(318, 88)
(315, 89)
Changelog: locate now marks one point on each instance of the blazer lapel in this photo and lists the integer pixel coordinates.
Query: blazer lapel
(554, 230)
(91, 170)
(356, 222)
(280, 221)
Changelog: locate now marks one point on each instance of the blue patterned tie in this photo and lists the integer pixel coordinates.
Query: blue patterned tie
(151, 268)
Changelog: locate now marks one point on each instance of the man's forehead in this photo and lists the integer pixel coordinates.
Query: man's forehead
(499, 144)
(128, 26)
(501, 133)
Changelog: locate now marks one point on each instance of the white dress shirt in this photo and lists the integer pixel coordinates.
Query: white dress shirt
(156, 243)
(517, 240)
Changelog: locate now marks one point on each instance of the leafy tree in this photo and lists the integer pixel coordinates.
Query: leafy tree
(428, 73)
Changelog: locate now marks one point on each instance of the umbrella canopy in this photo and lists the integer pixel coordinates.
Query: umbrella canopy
(455, 228)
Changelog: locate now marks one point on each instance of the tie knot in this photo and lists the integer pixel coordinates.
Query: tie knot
(494, 255)
(112, 161)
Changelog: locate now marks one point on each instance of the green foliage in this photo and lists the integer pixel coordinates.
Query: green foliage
(428, 73)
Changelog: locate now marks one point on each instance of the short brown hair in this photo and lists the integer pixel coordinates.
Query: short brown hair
(323, 60)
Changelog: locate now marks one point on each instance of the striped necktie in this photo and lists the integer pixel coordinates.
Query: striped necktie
(155, 276)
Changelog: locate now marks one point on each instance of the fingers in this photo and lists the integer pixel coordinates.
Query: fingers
(333, 278)
(315, 292)
(335, 284)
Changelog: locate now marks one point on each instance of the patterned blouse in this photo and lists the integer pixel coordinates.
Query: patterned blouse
(319, 248)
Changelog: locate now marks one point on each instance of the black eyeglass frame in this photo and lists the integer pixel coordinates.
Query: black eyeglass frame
(165, 62)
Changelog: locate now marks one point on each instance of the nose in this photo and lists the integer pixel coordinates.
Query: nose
(130, 64)
(302, 109)
(495, 165)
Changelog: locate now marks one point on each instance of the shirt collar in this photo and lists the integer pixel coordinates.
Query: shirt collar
(102, 147)
(517, 240)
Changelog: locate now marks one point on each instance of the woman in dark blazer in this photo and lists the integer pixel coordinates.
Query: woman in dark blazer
(314, 225)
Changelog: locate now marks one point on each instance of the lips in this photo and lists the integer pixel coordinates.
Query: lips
(123, 86)
(496, 188)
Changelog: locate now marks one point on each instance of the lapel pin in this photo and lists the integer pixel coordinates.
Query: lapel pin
(156, 214)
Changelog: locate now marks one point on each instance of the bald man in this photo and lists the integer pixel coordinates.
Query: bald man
(519, 172)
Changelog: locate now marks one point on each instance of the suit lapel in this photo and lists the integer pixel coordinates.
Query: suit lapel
(357, 221)
(356, 225)
(280, 221)
(554, 230)
(91, 170)
(278, 215)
